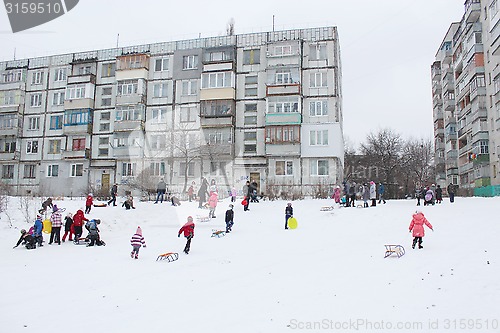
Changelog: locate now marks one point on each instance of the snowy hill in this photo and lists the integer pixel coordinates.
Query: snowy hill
(328, 274)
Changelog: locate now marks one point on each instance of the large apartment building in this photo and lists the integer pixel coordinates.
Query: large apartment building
(262, 106)
(463, 77)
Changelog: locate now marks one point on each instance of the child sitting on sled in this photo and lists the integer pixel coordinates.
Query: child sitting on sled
(417, 226)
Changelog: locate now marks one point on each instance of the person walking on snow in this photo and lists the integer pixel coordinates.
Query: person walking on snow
(88, 203)
(188, 230)
(417, 226)
(233, 194)
(229, 218)
(451, 192)
(439, 194)
(202, 192)
(56, 220)
(381, 191)
(373, 193)
(246, 192)
(336, 195)
(366, 195)
(113, 192)
(212, 202)
(137, 241)
(288, 213)
(161, 188)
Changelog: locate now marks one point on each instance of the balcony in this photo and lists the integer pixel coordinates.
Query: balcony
(449, 104)
(77, 129)
(481, 159)
(453, 171)
(285, 118)
(84, 78)
(465, 168)
(479, 91)
(129, 151)
(284, 89)
(128, 125)
(75, 154)
(216, 121)
(218, 149)
(130, 99)
(472, 10)
(283, 149)
(9, 156)
(451, 164)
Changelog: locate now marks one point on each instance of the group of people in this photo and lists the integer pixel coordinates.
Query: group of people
(366, 192)
(73, 228)
(434, 194)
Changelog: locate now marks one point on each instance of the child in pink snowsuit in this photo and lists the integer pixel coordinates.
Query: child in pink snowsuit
(212, 202)
(336, 195)
(417, 225)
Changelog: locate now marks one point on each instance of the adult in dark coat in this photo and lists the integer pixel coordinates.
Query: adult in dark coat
(113, 192)
(439, 194)
(247, 193)
(203, 192)
(451, 192)
(161, 188)
(29, 241)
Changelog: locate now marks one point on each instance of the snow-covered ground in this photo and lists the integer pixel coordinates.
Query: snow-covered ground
(329, 274)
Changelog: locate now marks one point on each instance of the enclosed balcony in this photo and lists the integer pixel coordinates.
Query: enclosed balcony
(81, 78)
(284, 118)
(217, 113)
(77, 121)
(472, 10)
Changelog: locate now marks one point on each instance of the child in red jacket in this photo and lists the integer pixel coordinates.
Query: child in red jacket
(89, 203)
(417, 225)
(188, 230)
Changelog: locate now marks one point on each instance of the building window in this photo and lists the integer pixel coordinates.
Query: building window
(33, 123)
(250, 120)
(54, 146)
(217, 80)
(8, 171)
(103, 152)
(106, 101)
(37, 78)
(128, 169)
(318, 80)
(32, 147)
(318, 108)
(104, 127)
(29, 171)
(189, 87)
(161, 65)
(104, 140)
(251, 57)
(190, 62)
(53, 170)
(190, 169)
(12, 76)
(319, 168)
(217, 108)
(9, 147)
(76, 170)
(282, 50)
(8, 121)
(282, 134)
(82, 69)
(282, 76)
(157, 168)
(58, 98)
(133, 61)
(105, 115)
(56, 122)
(317, 51)
(78, 144)
(250, 136)
(128, 87)
(60, 74)
(158, 141)
(251, 107)
(130, 112)
(108, 69)
(160, 90)
(283, 104)
(75, 92)
(76, 117)
(284, 168)
(318, 138)
(36, 100)
(188, 114)
(9, 97)
(251, 91)
(159, 115)
(250, 148)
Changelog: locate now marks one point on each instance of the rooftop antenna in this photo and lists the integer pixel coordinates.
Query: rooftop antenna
(117, 40)
(14, 53)
(273, 23)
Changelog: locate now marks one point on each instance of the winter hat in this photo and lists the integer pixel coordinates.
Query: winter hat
(54, 208)
(231, 206)
(70, 215)
(139, 231)
(190, 218)
(38, 216)
(289, 204)
(91, 195)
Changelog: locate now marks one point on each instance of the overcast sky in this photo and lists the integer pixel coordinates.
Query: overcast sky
(387, 46)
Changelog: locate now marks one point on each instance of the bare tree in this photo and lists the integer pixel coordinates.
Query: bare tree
(27, 207)
(418, 160)
(384, 149)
